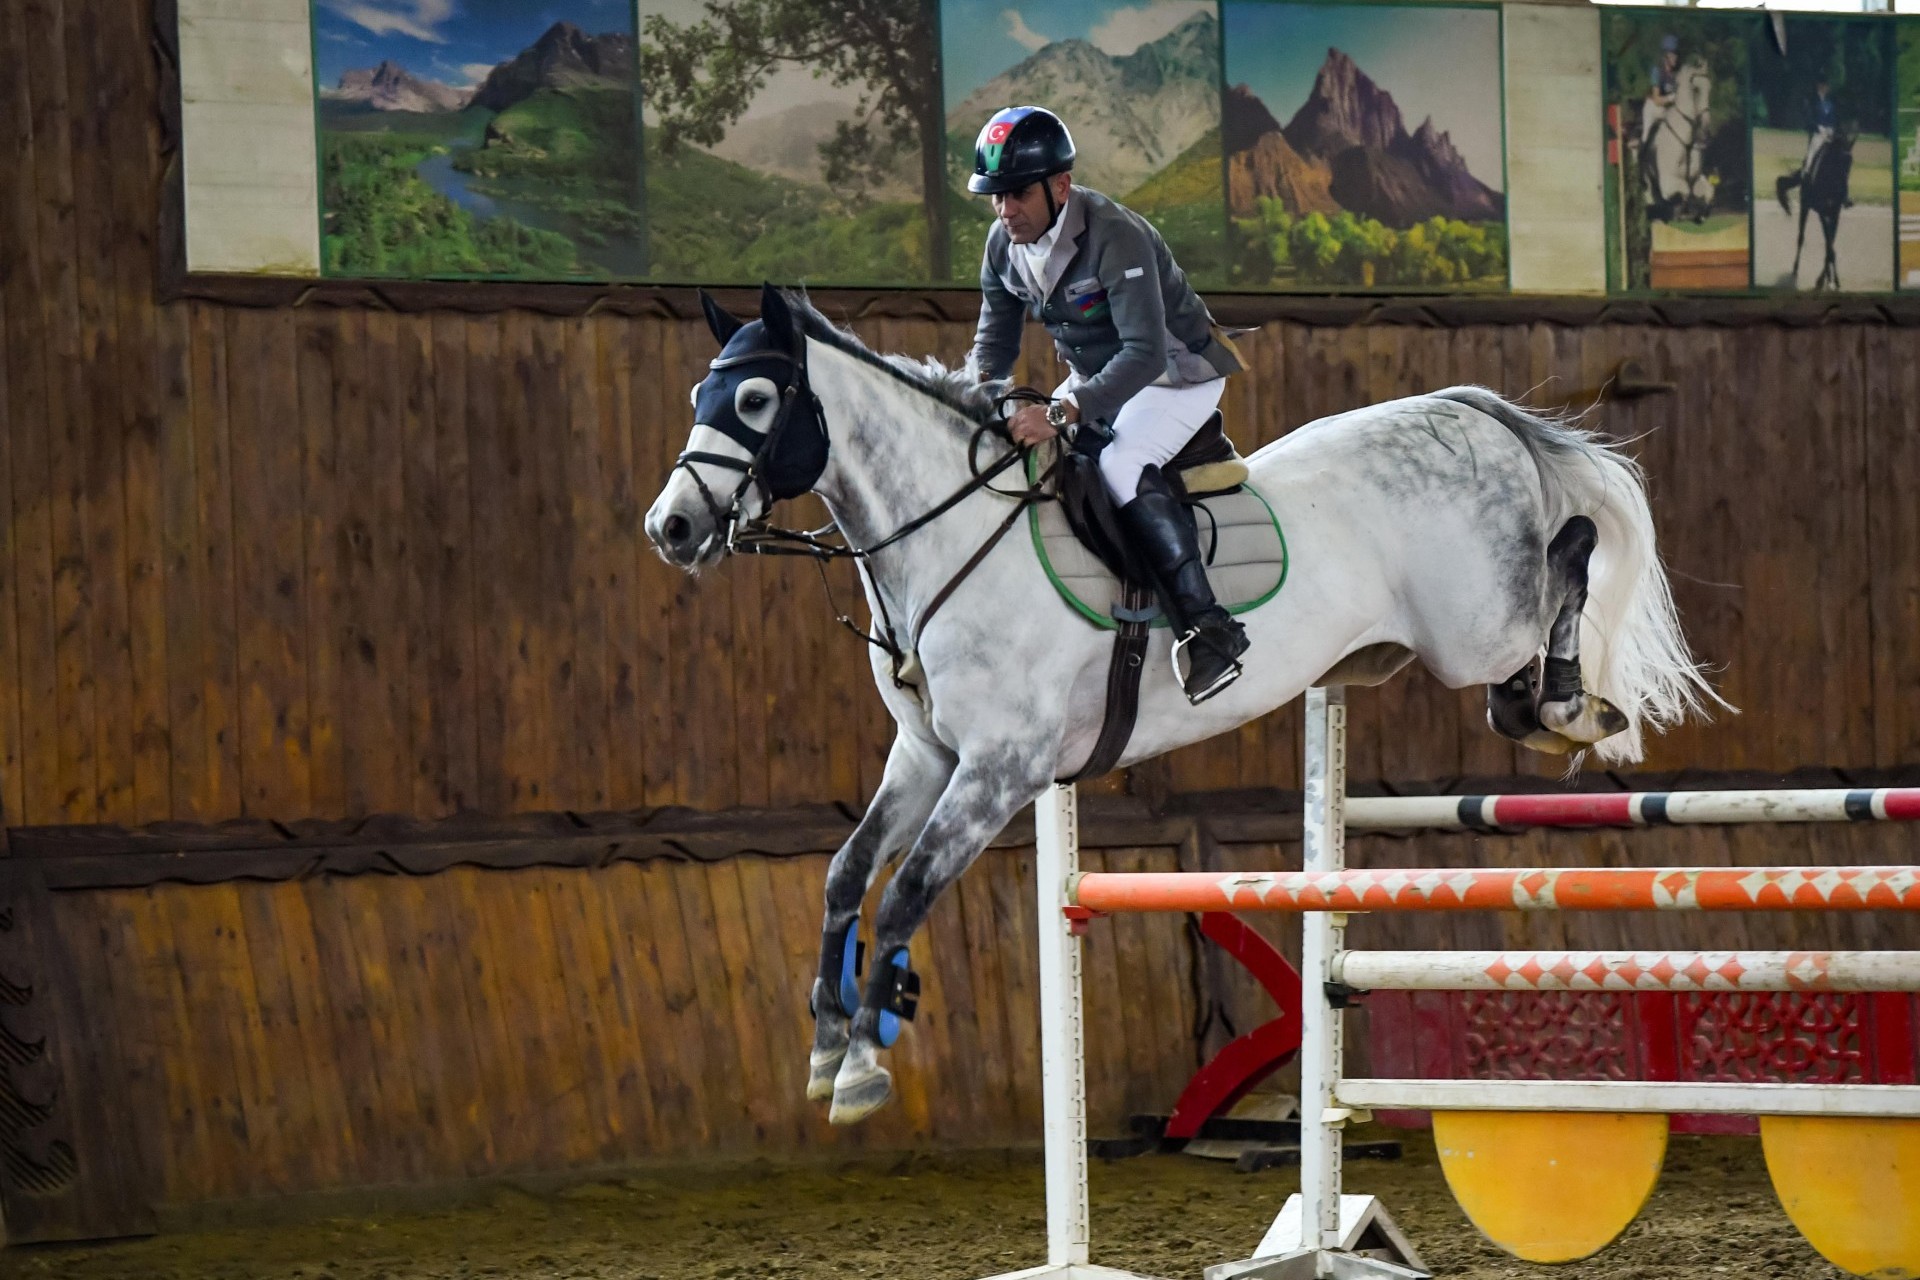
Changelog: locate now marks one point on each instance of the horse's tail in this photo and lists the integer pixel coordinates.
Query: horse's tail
(1632, 650)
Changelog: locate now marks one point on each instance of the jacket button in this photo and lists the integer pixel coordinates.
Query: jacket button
(1076, 351)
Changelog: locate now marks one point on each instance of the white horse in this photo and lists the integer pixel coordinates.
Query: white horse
(1453, 527)
(1674, 153)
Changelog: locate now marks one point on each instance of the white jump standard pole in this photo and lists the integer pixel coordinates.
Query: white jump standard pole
(1320, 1232)
(1063, 1076)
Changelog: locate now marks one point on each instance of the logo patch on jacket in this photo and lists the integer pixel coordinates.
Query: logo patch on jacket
(1088, 298)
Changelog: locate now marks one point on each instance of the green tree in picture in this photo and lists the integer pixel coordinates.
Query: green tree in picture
(702, 77)
(1348, 249)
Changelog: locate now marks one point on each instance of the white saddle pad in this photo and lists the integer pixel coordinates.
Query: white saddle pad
(1247, 565)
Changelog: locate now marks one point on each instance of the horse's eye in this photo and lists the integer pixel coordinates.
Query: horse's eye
(754, 401)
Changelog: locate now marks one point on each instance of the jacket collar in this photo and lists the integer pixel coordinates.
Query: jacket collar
(1063, 243)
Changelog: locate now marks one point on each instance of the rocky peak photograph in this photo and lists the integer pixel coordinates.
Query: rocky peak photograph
(1344, 192)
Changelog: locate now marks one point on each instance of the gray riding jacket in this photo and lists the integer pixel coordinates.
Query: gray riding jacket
(1122, 314)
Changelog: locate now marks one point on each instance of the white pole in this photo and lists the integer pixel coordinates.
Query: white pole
(1631, 970)
(1323, 848)
(1063, 1080)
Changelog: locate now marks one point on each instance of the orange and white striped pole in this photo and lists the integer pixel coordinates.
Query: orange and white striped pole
(1486, 889)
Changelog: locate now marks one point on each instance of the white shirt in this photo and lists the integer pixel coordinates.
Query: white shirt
(1038, 262)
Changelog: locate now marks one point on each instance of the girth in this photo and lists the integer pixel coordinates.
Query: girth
(1135, 614)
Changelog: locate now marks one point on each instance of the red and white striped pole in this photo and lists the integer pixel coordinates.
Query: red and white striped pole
(1631, 809)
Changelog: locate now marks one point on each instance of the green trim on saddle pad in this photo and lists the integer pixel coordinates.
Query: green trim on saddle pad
(1104, 620)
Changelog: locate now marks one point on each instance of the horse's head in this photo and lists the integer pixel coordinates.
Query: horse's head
(1693, 86)
(757, 437)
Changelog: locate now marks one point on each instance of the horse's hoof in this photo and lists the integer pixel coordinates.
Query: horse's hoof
(1586, 719)
(821, 1070)
(1548, 742)
(856, 1099)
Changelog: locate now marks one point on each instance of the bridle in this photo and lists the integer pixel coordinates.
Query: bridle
(762, 452)
(776, 475)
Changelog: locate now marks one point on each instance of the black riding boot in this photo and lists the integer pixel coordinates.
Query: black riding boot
(1163, 532)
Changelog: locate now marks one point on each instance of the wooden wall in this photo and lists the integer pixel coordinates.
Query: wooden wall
(371, 1030)
(303, 563)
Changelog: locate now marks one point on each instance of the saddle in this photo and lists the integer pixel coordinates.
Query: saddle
(1208, 466)
(1249, 569)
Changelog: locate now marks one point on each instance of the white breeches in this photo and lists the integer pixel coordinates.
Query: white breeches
(1651, 114)
(1150, 429)
(1815, 141)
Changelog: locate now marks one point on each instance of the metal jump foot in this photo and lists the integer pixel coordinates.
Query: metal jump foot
(1071, 1271)
(1315, 1264)
(1370, 1246)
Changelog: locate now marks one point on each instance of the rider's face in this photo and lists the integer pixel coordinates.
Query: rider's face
(1024, 212)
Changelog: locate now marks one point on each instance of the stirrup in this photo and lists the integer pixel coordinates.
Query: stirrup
(1232, 672)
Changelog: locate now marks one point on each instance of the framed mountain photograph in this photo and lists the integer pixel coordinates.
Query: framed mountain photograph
(492, 140)
(1365, 147)
(1138, 86)
(794, 141)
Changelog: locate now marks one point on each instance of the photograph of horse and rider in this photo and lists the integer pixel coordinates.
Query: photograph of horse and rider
(1823, 154)
(1907, 122)
(1678, 170)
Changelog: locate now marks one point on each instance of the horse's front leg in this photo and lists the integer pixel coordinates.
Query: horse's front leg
(1800, 241)
(917, 772)
(987, 788)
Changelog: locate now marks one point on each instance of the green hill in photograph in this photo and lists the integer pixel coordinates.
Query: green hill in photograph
(569, 155)
(774, 229)
(1186, 202)
(546, 188)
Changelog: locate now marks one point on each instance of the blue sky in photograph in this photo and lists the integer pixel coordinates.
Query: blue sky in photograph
(980, 39)
(456, 41)
(1439, 62)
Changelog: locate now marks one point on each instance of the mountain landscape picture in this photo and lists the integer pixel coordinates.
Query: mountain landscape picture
(1327, 185)
(491, 139)
(795, 141)
(1139, 88)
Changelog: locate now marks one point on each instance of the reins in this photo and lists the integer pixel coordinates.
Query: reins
(761, 538)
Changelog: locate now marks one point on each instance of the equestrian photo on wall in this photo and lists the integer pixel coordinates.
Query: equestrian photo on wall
(1823, 155)
(1679, 178)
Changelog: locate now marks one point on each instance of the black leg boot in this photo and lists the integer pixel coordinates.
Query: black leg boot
(1163, 532)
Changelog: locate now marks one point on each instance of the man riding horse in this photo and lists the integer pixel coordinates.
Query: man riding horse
(1147, 365)
(1823, 120)
(1662, 88)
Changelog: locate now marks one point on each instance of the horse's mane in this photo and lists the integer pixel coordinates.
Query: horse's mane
(954, 388)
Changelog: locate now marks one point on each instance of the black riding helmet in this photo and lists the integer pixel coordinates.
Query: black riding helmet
(1020, 145)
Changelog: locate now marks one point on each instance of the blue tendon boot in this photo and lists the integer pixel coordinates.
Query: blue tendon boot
(863, 1085)
(835, 999)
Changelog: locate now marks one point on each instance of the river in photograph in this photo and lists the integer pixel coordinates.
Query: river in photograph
(619, 257)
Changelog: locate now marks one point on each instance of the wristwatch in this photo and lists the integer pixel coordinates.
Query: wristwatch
(1057, 415)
